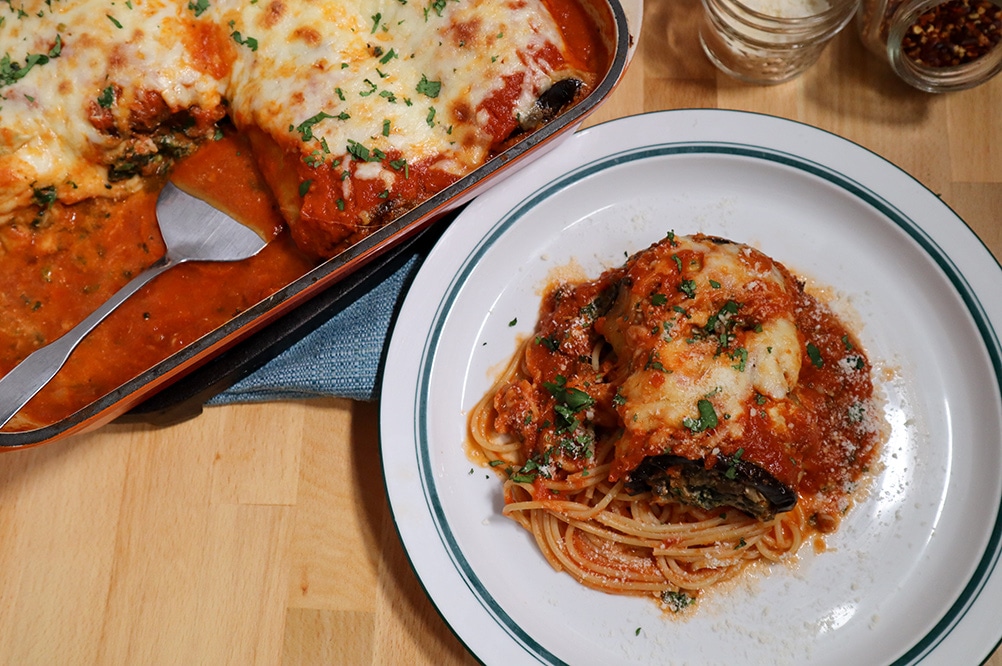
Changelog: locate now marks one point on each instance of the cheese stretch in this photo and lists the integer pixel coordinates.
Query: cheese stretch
(96, 95)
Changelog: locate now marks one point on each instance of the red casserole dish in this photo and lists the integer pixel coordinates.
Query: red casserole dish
(339, 274)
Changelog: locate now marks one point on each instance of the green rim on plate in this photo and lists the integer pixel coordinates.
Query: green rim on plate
(989, 558)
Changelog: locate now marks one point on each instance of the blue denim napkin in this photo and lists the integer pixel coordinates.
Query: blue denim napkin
(341, 358)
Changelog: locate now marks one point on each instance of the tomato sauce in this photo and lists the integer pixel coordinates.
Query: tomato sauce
(587, 49)
(52, 277)
(329, 207)
(329, 220)
(58, 266)
(818, 438)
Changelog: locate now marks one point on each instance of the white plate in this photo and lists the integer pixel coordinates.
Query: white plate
(912, 575)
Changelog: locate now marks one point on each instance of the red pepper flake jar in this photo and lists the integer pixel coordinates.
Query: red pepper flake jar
(935, 45)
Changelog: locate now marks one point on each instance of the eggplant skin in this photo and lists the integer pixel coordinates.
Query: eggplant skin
(550, 103)
(730, 482)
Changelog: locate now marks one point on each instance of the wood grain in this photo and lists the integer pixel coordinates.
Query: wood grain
(260, 534)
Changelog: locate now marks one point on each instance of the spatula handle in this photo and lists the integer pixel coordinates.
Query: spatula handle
(28, 377)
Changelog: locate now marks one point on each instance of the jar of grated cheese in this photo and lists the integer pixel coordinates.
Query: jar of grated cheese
(770, 41)
(935, 45)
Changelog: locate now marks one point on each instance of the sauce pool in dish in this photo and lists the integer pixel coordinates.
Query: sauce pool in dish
(314, 132)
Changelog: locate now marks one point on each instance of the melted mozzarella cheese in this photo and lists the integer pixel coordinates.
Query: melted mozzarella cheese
(80, 49)
(726, 333)
(774, 358)
(384, 74)
(323, 79)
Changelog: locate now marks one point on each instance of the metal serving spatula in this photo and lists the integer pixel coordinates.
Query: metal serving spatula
(192, 231)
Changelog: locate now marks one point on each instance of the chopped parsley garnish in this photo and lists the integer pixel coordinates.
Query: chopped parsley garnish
(359, 151)
(249, 42)
(814, 354)
(570, 401)
(437, 6)
(548, 342)
(429, 88)
(676, 601)
(527, 474)
(721, 325)
(573, 398)
(376, 18)
(114, 21)
(591, 310)
(741, 356)
(732, 467)
(11, 72)
(44, 196)
(198, 6)
(688, 287)
(304, 187)
(401, 164)
(722, 317)
(707, 417)
(314, 159)
(654, 363)
(659, 299)
(106, 98)
(305, 128)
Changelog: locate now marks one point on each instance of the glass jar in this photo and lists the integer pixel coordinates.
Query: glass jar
(935, 45)
(770, 41)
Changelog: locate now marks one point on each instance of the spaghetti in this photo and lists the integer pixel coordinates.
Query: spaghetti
(679, 418)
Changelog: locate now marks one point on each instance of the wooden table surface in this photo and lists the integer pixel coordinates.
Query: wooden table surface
(260, 534)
